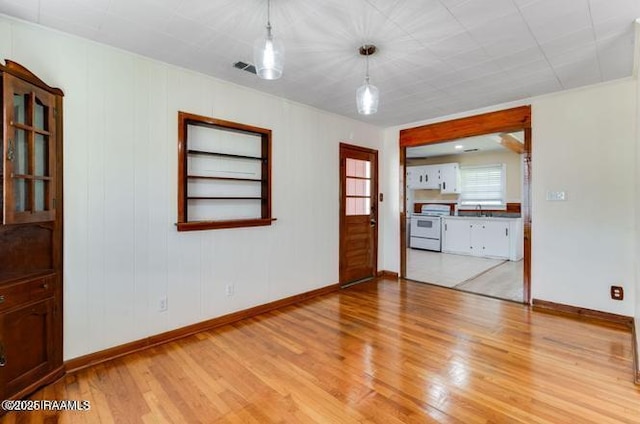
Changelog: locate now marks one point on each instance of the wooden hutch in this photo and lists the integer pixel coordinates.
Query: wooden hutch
(30, 233)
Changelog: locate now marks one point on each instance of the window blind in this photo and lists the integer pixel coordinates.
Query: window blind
(483, 185)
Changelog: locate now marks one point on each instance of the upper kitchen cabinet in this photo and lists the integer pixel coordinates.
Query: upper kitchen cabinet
(30, 233)
(449, 178)
(444, 177)
(423, 177)
(30, 139)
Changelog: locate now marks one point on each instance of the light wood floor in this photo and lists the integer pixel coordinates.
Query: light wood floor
(386, 351)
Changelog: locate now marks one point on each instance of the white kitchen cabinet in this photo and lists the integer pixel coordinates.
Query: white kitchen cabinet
(455, 236)
(490, 238)
(410, 179)
(443, 177)
(423, 177)
(449, 178)
(481, 236)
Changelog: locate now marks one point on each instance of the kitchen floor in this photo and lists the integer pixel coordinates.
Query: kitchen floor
(490, 277)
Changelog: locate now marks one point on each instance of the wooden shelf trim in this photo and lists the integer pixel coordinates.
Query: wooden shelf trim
(32, 177)
(205, 177)
(245, 201)
(224, 155)
(234, 223)
(223, 198)
(26, 127)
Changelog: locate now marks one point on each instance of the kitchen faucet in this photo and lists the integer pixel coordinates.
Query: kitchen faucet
(479, 209)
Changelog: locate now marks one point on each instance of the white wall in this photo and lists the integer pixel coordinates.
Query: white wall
(584, 143)
(122, 251)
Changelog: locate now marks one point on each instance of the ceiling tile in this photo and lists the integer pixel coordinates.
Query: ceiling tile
(27, 9)
(579, 73)
(426, 21)
(477, 13)
(614, 55)
(154, 14)
(79, 28)
(604, 10)
(615, 27)
(452, 46)
(562, 46)
(577, 54)
(550, 19)
(504, 35)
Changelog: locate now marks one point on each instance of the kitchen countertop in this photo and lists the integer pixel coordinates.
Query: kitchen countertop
(481, 218)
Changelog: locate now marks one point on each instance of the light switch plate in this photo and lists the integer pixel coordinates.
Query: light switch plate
(556, 196)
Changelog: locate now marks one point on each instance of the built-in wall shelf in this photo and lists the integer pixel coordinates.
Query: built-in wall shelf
(225, 155)
(224, 174)
(223, 198)
(206, 177)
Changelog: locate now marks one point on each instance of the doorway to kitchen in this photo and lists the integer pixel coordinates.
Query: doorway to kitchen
(358, 214)
(468, 180)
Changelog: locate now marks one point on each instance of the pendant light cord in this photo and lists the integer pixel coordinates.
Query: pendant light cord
(366, 75)
(269, 15)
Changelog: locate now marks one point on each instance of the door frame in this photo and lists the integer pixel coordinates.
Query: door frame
(508, 120)
(342, 207)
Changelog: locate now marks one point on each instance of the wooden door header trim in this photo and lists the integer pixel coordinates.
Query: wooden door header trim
(360, 148)
(514, 119)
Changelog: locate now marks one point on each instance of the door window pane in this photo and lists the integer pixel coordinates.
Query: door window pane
(41, 155)
(39, 195)
(20, 194)
(21, 153)
(358, 206)
(358, 187)
(358, 168)
(40, 116)
(20, 108)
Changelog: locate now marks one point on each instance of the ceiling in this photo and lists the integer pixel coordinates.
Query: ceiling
(435, 57)
(476, 144)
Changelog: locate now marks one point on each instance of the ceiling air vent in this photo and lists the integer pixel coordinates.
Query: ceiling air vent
(245, 67)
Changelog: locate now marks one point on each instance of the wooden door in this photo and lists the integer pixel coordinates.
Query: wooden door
(358, 213)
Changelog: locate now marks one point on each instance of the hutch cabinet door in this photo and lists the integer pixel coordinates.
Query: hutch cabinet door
(26, 345)
(29, 152)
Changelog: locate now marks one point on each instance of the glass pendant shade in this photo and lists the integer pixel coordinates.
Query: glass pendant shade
(367, 98)
(268, 56)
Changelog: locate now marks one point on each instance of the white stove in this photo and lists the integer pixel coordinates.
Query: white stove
(426, 227)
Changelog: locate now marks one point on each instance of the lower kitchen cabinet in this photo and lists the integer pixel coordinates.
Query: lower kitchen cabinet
(490, 238)
(455, 236)
(487, 237)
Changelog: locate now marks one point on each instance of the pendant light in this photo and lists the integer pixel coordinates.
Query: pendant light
(367, 94)
(268, 53)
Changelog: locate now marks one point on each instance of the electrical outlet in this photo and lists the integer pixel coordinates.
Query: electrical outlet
(163, 304)
(229, 289)
(617, 293)
(556, 196)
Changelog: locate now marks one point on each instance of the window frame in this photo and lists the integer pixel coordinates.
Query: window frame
(185, 120)
(469, 205)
